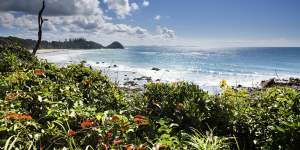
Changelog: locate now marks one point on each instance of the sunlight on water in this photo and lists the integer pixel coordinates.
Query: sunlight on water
(206, 67)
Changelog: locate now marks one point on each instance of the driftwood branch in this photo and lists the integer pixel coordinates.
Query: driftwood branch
(40, 22)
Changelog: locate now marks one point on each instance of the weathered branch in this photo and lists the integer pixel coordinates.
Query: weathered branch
(40, 22)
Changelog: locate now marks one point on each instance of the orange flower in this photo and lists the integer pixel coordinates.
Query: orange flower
(87, 123)
(14, 116)
(129, 147)
(117, 142)
(39, 72)
(71, 133)
(115, 118)
(140, 120)
(26, 117)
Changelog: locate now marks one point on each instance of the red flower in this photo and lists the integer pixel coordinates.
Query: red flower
(117, 142)
(109, 134)
(71, 133)
(138, 119)
(13, 116)
(87, 123)
(26, 117)
(39, 72)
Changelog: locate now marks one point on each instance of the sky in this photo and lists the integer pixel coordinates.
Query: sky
(207, 23)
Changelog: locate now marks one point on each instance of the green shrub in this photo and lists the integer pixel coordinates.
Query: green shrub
(187, 105)
(267, 119)
(14, 57)
(44, 106)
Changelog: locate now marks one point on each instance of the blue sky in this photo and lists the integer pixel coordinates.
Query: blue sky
(209, 20)
(226, 18)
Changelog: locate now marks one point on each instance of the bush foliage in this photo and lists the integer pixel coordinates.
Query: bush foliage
(43, 106)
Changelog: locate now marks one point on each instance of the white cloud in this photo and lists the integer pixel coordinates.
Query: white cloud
(134, 6)
(166, 33)
(53, 7)
(146, 3)
(9, 20)
(121, 8)
(85, 19)
(157, 17)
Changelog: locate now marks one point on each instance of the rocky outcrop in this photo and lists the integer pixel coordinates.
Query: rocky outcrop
(148, 79)
(115, 45)
(292, 82)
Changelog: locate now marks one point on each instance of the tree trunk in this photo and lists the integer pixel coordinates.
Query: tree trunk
(40, 22)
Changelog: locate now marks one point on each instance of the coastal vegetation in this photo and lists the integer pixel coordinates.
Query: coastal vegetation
(43, 106)
(76, 43)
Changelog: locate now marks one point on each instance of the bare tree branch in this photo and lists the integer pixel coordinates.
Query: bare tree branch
(40, 22)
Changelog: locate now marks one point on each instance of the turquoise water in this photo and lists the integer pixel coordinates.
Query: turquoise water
(206, 67)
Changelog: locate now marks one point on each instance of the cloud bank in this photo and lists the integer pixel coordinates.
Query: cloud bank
(76, 18)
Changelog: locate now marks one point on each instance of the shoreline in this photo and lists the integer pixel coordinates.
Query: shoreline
(135, 78)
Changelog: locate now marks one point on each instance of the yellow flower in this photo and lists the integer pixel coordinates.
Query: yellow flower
(223, 84)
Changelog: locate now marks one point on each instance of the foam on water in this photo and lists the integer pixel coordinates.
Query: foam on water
(247, 67)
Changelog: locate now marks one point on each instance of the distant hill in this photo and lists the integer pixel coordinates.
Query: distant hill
(115, 45)
(77, 43)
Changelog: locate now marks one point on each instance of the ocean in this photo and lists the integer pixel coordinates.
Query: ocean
(205, 67)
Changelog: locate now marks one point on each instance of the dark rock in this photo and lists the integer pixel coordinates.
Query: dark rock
(158, 80)
(115, 66)
(102, 62)
(115, 45)
(148, 79)
(97, 62)
(292, 82)
(130, 83)
(267, 83)
(155, 69)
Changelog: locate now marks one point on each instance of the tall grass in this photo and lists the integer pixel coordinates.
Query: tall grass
(200, 141)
